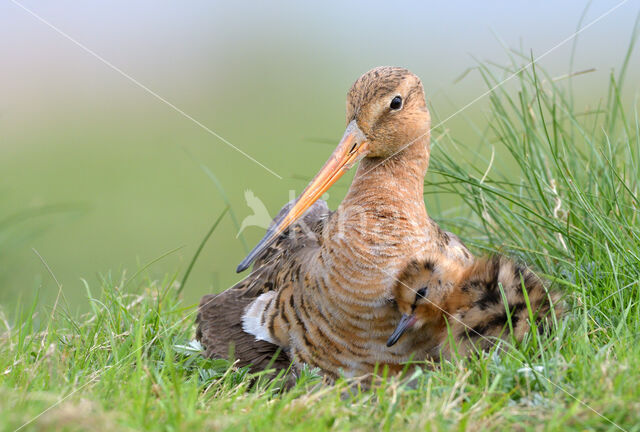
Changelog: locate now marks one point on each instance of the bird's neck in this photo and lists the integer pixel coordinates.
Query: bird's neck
(397, 181)
(382, 221)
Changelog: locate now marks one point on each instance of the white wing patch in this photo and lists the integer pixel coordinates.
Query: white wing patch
(252, 318)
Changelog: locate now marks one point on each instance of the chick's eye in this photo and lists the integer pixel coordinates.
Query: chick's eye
(422, 292)
(396, 103)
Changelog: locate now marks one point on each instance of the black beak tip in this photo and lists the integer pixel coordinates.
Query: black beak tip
(405, 323)
(395, 336)
(266, 241)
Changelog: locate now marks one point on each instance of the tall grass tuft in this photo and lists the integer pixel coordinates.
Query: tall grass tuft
(570, 204)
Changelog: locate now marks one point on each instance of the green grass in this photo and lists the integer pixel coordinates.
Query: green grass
(569, 206)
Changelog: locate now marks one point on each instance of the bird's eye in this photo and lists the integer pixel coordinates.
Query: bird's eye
(422, 292)
(396, 103)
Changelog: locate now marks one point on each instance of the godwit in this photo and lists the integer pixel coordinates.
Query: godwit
(466, 310)
(325, 298)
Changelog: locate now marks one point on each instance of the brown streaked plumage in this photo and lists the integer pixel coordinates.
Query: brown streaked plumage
(462, 311)
(219, 323)
(220, 332)
(325, 297)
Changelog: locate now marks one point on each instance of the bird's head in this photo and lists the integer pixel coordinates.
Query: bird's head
(424, 293)
(386, 113)
(388, 106)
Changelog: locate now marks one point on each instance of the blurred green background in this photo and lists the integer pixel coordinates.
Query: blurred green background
(100, 176)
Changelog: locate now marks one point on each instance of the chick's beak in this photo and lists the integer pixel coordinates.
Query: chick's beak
(352, 148)
(406, 322)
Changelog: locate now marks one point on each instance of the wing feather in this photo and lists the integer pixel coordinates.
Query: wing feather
(219, 320)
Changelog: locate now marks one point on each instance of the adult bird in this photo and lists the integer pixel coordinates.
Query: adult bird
(322, 288)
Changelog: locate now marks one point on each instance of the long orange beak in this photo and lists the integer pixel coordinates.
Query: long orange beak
(351, 149)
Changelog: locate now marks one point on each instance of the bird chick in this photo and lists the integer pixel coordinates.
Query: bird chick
(470, 309)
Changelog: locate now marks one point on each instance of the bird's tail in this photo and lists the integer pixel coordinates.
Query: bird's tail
(504, 299)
